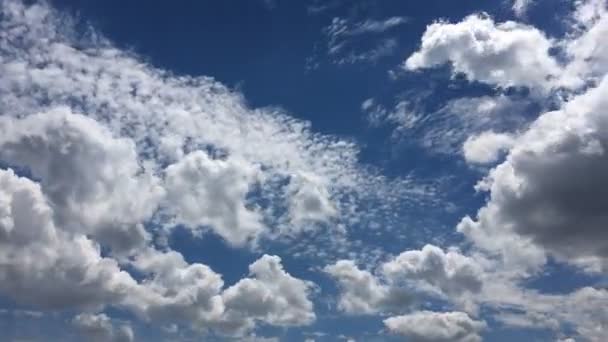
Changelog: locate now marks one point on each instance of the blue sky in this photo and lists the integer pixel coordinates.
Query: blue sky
(273, 170)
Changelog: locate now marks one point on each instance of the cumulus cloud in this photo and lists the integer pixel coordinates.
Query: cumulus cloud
(92, 179)
(99, 328)
(270, 295)
(399, 281)
(504, 54)
(47, 267)
(205, 192)
(428, 326)
(44, 266)
(450, 273)
(546, 197)
(486, 147)
(362, 293)
(587, 58)
(309, 200)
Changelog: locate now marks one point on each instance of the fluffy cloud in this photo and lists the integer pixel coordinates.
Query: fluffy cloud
(44, 266)
(92, 179)
(505, 54)
(428, 326)
(211, 192)
(309, 200)
(547, 195)
(448, 275)
(362, 293)
(486, 147)
(99, 328)
(47, 267)
(270, 295)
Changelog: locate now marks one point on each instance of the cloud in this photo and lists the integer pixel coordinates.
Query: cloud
(44, 266)
(343, 35)
(450, 273)
(212, 192)
(92, 179)
(309, 201)
(546, 197)
(182, 293)
(271, 295)
(504, 54)
(486, 147)
(587, 59)
(362, 293)
(49, 268)
(400, 281)
(428, 326)
(99, 328)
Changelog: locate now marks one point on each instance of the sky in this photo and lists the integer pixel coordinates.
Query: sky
(273, 170)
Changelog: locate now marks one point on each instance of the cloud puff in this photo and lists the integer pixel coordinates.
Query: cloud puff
(448, 275)
(99, 328)
(362, 293)
(505, 54)
(486, 147)
(428, 326)
(271, 295)
(212, 192)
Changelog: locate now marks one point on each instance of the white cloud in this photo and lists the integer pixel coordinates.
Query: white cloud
(93, 180)
(504, 54)
(50, 268)
(450, 273)
(362, 293)
(399, 281)
(44, 266)
(212, 192)
(99, 328)
(486, 147)
(309, 200)
(270, 295)
(428, 326)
